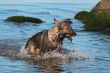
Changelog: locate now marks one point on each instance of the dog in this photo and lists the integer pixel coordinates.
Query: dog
(49, 40)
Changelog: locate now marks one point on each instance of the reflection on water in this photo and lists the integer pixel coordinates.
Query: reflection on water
(49, 65)
(92, 49)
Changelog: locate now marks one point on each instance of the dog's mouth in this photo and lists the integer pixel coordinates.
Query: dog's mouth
(70, 35)
(67, 35)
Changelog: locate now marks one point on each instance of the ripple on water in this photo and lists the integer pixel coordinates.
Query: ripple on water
(93, 43)
(65, 54)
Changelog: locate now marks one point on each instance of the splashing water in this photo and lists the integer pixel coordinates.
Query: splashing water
(65, 54)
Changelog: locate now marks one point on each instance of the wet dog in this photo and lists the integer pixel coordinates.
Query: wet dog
(49, 40)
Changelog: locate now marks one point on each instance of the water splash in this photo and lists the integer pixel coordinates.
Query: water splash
(65, 54)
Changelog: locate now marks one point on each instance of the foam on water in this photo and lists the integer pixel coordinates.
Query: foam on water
(65, 54)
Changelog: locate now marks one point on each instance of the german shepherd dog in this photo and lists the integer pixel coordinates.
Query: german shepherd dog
(49, 40)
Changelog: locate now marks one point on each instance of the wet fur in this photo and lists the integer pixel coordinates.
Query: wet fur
(49, 40)
(39, 43)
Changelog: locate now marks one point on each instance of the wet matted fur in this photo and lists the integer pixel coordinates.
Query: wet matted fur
(49, 40)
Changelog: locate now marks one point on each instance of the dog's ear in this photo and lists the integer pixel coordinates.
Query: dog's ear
(57, 22)
(57, 25)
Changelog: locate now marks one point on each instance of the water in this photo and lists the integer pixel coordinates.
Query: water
(92, 49)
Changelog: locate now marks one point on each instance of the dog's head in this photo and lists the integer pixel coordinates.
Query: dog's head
(64, 29)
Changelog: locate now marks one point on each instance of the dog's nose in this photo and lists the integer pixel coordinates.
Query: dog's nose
(75, 33)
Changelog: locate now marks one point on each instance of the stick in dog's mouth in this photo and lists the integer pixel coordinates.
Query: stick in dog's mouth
(69, 36)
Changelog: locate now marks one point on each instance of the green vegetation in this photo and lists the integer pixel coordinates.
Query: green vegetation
(81, 15)
(22, 19)
(96, 20)
(106, 31)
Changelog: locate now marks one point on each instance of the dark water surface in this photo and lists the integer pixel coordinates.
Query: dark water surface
(93, 45)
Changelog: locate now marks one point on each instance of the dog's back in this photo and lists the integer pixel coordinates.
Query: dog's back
(39, 43)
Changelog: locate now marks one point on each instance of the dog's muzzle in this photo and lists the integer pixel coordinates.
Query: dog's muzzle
(70, 35)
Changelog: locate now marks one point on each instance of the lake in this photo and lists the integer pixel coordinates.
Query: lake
(92, 49)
